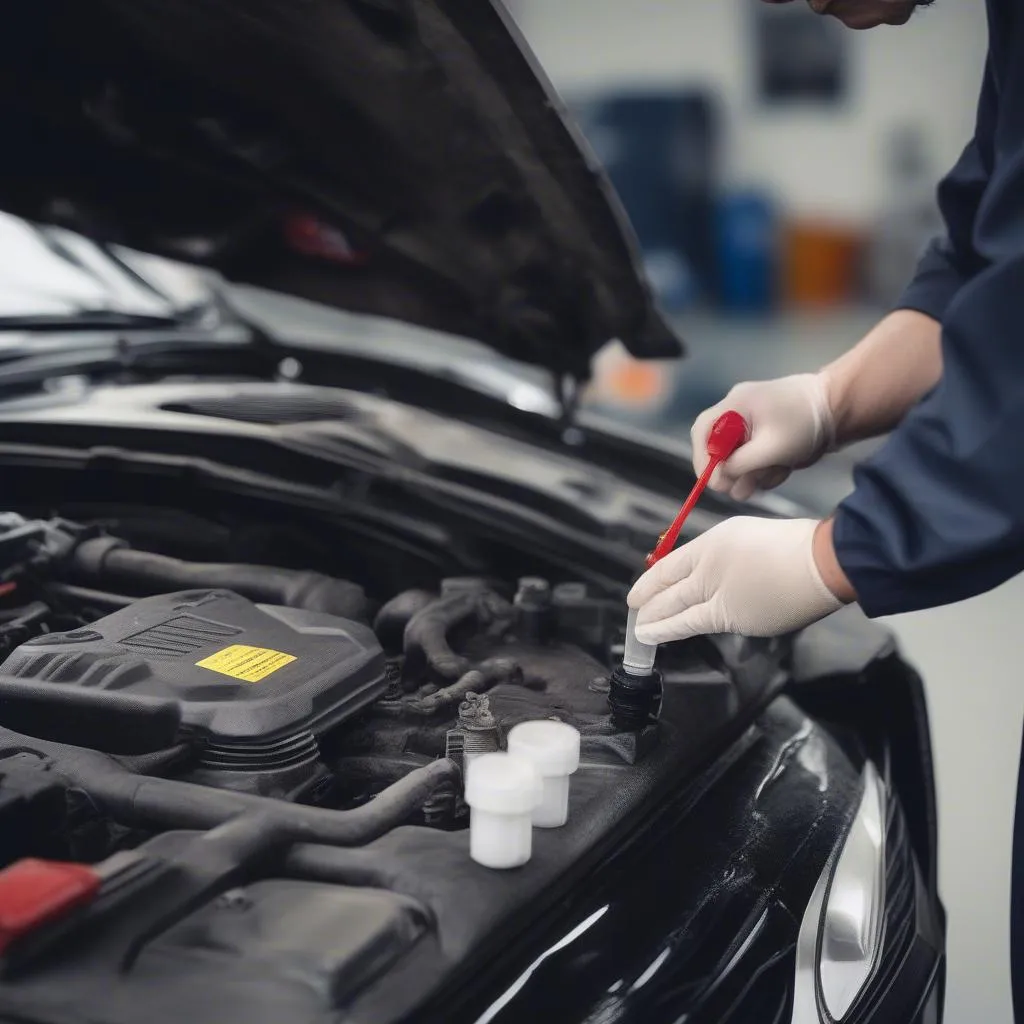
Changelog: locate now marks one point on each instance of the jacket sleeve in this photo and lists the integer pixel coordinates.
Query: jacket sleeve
(951, 260)
(938, 514)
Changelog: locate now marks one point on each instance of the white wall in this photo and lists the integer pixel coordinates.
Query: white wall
(827, 161)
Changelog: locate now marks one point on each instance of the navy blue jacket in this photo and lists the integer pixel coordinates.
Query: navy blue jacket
(938, 514)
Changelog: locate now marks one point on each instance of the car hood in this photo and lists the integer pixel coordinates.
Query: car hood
(394, 158)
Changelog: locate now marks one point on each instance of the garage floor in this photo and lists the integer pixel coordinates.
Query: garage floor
(970, 655)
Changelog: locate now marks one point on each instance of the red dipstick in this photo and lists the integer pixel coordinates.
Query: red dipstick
(729, 431)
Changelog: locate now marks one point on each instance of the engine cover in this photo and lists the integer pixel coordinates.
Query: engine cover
(233, 671)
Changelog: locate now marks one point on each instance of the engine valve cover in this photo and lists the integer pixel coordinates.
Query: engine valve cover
(235, 670)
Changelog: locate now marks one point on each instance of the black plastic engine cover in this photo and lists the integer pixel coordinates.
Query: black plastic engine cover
(232, 670)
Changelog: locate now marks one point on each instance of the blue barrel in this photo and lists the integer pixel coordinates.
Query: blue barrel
(748, 253)
(659, 149)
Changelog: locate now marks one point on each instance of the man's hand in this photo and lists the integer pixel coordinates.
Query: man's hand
(791, 425)
(757, 577)
(795, 420)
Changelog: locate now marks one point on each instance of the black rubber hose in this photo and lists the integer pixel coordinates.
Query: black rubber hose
(477, 680)
(426, 642)
(168, 803)
(158, 762)
(109, 561)
(98, 599)
(312, 863)
(396, 614)
(23, 615)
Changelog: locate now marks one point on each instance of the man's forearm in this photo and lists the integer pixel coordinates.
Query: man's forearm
(874, 385)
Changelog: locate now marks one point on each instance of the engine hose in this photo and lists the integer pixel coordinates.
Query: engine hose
(19, 624)
(364, 868)
(476, 680)
(396, 614)
(109, 561)
(426, 643)
(98, 599)
(158, 762)
(171, 804)
(23, 616)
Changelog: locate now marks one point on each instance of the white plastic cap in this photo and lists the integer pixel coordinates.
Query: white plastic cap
(502, 791)
(502, 784)
(553, 748)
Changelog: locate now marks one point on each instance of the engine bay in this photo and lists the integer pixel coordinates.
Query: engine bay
(205, 736)
(256, 675)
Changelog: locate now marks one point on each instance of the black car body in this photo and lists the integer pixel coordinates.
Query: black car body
(179, 476)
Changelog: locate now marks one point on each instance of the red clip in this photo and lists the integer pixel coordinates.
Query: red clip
(35, 893)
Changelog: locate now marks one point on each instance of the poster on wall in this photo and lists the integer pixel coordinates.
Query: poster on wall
(800, 57)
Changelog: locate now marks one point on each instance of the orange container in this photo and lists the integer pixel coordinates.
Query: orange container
(821, 264)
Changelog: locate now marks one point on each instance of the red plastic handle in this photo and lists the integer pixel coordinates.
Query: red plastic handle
(727, 433)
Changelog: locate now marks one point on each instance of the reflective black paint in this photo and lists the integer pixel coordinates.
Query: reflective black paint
(697, 922)
(421, 137)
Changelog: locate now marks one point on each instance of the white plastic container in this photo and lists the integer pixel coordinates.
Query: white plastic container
(502, 791)
(553, 748)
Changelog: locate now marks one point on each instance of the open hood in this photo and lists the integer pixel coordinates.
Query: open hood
(402, 158)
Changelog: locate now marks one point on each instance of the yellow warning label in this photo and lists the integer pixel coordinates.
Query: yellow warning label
(250, 664)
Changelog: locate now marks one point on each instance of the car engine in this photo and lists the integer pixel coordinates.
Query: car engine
(205, 725)
(284, 683)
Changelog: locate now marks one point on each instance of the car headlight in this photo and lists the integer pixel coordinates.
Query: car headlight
(841, 932)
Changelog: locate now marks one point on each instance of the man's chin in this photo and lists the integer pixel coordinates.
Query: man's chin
(864, 14)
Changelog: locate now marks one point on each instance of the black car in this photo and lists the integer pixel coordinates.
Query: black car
(270, 581)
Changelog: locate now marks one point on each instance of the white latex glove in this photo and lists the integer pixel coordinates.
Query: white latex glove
(756, 577)
(791, 426)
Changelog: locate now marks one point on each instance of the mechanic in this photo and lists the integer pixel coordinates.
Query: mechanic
(937, 515)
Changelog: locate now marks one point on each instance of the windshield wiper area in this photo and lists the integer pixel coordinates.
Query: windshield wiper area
(149, 351)
(52, 278)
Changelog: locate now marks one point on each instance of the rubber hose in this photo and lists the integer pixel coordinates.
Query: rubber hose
(168, 803)
(159, 762)
(23, 615)
(476, 680)
(365, 868)
(426, 637)
(108, 560)
(98, 599)
(396, 614)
